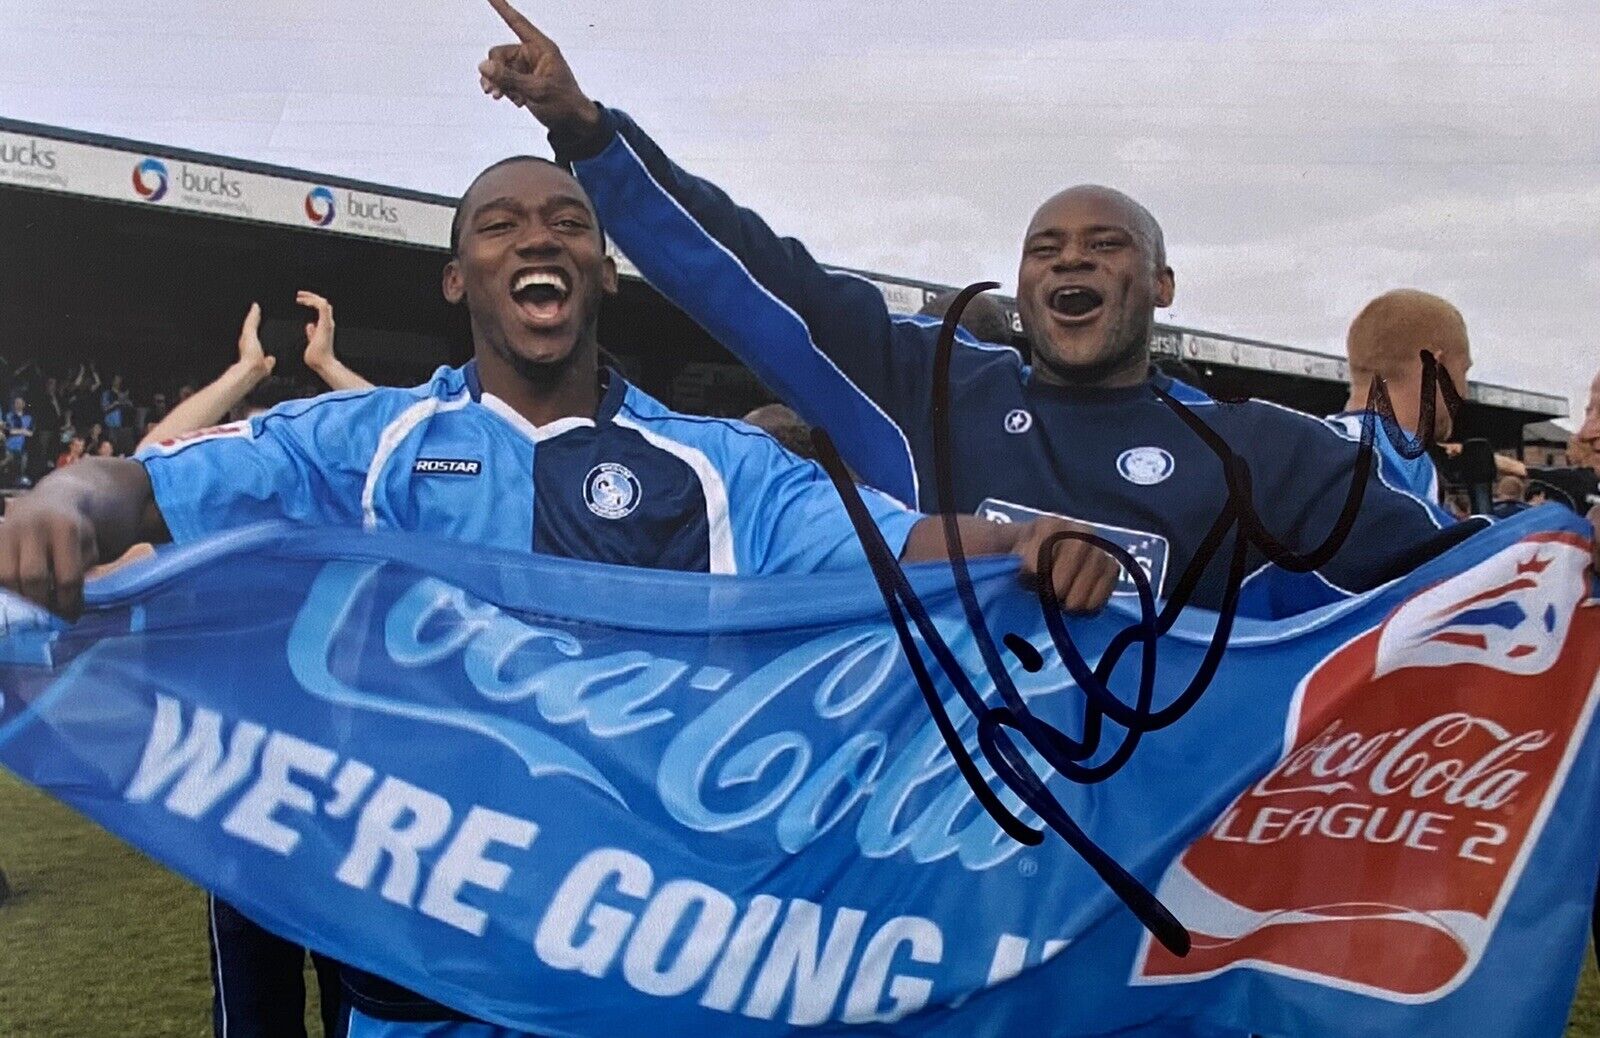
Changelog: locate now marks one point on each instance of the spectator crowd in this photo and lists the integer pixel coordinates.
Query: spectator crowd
(54, 418)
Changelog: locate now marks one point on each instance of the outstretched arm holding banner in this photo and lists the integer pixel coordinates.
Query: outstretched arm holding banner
(88, 513)
(94, 511)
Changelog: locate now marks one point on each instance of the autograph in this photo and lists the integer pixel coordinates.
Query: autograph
(1063, 753)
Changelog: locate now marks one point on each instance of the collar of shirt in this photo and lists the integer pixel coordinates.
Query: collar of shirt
(613, 390)
(1040, 390)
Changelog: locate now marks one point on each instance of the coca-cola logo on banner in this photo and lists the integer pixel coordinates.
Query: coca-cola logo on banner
(1421, 761)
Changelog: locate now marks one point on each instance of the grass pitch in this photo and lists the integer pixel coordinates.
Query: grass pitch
(96, 938)
(99, 940)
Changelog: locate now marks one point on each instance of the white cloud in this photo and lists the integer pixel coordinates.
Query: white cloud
(1302, 157)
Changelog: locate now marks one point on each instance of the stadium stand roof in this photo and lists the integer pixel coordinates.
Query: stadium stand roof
(152, 177)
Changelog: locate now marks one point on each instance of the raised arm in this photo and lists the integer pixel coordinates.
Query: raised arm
(208, 406)
(824, 341)
(786, 515)
(319, 354)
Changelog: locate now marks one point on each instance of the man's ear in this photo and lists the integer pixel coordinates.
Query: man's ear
(455, 289)
(1166, 288)
(608, 277)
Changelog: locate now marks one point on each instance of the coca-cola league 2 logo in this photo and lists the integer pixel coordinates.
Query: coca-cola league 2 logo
(1422, 759)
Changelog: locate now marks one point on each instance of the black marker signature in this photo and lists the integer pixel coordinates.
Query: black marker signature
(1063, 753)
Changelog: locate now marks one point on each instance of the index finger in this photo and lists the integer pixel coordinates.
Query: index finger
(526, 31)
(311, 299)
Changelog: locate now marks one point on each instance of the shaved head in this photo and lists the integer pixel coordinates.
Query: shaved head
(1584, 447)
(1138, 218)
(1386, 341)
(1389, 333)
(463, 204)
(783, 425)
(1093, 273)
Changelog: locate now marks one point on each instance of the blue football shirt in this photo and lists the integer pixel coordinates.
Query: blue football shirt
(1416, 476)
(1121, 460)
(636, 485)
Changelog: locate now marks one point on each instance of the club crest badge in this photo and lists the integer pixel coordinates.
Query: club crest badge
(1145, 466)
(610, 490)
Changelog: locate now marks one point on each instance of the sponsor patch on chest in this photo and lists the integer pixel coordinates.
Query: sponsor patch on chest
(1148, 549)
(447, 467)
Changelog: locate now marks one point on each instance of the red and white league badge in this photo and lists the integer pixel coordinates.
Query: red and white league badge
(240, 428)
(1422, 761)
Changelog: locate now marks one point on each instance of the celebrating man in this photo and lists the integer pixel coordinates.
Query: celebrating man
(530, 446)
(1089, 431)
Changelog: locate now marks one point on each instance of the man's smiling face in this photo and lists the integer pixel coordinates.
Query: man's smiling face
(1093, 272)
(530, 263)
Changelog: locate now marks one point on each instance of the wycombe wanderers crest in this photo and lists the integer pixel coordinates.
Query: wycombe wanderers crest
(1145, 466)
(610, 490)
(1421, 761)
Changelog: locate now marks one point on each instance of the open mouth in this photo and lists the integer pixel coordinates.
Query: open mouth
(1075, 303)
(541, 292)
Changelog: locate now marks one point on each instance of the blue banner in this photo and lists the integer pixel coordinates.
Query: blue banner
(569, 798)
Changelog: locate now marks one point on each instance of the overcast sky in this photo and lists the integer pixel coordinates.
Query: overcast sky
(1302, 156)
